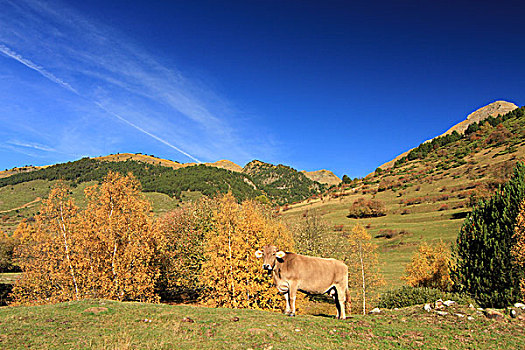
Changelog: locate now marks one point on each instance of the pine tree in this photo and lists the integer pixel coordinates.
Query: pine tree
(485, 268)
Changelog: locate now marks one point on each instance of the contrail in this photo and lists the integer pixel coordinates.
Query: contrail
(144, 131)
(12, 54)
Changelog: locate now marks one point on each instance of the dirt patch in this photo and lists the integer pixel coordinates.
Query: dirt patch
(96, 310)
(256, 330)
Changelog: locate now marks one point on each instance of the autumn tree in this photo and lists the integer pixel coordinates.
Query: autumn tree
(366, 208)
(181, 247)
(430, 267)
(8, 245)
(518, 251)
(106, 251)
(362, 260)
(50, 253)
(118, 227)
(312, 236)
(231, 274)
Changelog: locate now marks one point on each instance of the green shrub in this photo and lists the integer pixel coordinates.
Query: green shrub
(408, 296)
(486, 269)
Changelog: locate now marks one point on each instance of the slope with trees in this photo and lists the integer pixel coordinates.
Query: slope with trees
(281, 183)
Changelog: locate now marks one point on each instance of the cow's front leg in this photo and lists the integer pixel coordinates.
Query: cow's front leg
(284, 288)
(293, 293)
(288, 308)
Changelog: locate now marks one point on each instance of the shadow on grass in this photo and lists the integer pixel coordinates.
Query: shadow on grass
(460, 215)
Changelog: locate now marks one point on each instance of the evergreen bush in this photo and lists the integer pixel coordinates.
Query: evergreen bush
(485, 268)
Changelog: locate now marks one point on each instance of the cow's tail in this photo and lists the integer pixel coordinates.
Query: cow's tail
(348, 301)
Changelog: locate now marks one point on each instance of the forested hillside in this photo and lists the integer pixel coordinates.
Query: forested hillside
(281, 183)
(154, 178)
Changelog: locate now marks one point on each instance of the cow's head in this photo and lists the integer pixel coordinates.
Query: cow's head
(270, 255)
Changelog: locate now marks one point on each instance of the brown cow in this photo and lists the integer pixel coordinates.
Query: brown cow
(292, 272)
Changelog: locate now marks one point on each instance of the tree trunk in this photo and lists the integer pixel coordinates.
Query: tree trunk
(66, 246)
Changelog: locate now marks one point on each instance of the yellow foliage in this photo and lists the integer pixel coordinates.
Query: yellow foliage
(430, 267)
(231, 275)
(363, 267)
(49, 254)
(105, 251)
(181, 246)
(119, 226)
(7, 247)
(518, 251)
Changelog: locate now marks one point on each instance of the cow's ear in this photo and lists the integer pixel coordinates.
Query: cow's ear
(280, 254)
(258, 254)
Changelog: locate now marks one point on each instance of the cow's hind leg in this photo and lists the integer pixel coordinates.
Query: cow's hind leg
(340, 302)
(332, 291)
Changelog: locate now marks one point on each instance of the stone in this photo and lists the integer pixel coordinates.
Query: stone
(375, 311)
(520, 305)
(427, 307)
(188, 320)
(449, 302)
(442, 313)
(493, 314)
(439, 304)
(513, 313)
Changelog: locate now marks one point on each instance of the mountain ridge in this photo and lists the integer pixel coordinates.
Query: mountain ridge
(493, 109)
(322, 176)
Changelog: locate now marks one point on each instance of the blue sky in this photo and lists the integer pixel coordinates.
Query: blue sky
(339, 85)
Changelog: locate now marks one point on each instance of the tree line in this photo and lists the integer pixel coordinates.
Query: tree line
(116, 249)
(288, 185)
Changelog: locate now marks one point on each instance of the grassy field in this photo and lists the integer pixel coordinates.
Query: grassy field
(115, 325)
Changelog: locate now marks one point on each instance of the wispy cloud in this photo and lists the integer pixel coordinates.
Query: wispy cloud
(105, 68)
(36, 146)
(10, 53)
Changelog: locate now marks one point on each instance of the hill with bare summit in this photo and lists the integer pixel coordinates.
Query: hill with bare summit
(323, 176)
(491, 110)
